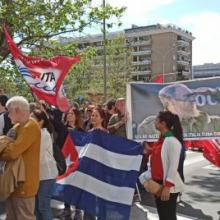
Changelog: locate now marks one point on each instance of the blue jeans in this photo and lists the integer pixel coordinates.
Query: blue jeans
(42, 204)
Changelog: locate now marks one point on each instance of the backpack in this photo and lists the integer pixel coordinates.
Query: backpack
(60, 160)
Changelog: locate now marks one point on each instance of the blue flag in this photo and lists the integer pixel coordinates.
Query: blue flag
(104, 182)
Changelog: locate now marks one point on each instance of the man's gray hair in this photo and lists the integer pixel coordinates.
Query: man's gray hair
(18, 102)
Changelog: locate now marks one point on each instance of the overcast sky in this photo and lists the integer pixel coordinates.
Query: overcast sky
(201, 17)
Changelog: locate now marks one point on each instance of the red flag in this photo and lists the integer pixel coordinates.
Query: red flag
(159, 78)
(212, 152)
(44, 77)
(211, 149)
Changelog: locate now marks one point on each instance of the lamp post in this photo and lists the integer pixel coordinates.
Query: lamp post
(104, 54)
(164, 56)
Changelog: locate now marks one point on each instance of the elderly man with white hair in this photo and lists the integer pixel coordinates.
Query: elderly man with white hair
(21, 204)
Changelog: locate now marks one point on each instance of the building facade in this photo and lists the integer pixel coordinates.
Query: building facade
(161, 49)
(206, 70)
(156, 49)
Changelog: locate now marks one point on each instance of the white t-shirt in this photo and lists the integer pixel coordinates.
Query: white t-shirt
(48, 167)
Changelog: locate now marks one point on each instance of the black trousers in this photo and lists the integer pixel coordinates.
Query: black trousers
(167, 209)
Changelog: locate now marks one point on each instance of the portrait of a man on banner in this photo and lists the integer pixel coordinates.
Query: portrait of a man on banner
(197, 103)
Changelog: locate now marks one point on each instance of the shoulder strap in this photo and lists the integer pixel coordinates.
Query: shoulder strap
(181, 163)
(7, 123)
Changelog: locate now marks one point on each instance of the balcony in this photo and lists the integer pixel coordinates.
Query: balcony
(143, 52)
(100, 47)
(182, 43)
(139, 43)
(144, 62)
(182, 62)
(141, 73)
(185, 73)
(183, 53)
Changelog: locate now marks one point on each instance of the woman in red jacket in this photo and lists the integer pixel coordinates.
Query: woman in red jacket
(165, 161)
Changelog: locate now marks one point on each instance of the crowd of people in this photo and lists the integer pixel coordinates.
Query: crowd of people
(40, 132)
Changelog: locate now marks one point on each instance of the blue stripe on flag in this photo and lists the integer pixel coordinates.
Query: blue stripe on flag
(84, 200)
(108, 141)
(24, 71)
(106, 174)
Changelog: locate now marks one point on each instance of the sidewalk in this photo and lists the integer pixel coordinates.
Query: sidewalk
(143, 212)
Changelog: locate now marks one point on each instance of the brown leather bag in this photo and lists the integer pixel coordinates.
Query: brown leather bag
(14, 173)
(153, 187)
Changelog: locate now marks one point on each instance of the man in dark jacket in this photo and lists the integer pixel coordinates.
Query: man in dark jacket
(5, 121)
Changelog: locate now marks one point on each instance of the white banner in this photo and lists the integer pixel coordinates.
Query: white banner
(196, 102)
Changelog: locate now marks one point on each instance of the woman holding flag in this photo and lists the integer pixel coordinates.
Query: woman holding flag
(72, 120)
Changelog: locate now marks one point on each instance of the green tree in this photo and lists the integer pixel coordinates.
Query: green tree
(86, 77)
(119, 68)
(119, 60)
(12, 81)
(34, 22)
(78, 80)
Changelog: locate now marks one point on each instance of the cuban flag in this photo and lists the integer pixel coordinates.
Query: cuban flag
(45, 77)
(104, 180)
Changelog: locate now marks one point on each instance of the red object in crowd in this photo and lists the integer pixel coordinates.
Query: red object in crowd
(211, 149)
(62, 102)
(45, 77)
(159, 78)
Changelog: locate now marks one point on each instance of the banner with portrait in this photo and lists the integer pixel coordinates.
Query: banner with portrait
(196, 102)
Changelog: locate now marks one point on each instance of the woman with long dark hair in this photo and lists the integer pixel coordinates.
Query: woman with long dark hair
(98, 119)
(167, 164)
(48, 168)
(73, 120)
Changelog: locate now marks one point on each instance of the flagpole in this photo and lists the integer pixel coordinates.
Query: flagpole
(164, 57)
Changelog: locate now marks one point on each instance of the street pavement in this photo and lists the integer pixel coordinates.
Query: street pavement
(201, 199)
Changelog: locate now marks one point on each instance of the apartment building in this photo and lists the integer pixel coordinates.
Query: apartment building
(156, 49)
(161, 49)
(206, 70)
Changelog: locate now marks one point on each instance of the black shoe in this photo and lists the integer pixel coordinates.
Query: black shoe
(65, 213)
(136, 199)
(78, 215)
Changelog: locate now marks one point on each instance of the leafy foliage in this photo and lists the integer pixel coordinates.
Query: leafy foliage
(86, 78)
(33, 22)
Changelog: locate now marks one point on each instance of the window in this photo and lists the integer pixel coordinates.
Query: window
(135, 39)
(143, 48)
(135, 49)
(144, 68)
(142, 58)
(144, 38)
